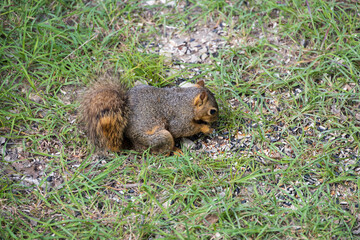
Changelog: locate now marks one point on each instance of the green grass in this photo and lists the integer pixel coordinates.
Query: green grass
(293, 72)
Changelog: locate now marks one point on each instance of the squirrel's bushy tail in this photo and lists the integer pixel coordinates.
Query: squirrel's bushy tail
(104, 114)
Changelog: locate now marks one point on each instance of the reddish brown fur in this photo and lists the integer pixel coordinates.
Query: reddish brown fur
(104, 113)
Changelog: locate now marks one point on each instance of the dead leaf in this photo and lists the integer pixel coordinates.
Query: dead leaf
(211, 219)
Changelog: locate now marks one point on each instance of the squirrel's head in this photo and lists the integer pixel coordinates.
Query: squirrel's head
(206, 109)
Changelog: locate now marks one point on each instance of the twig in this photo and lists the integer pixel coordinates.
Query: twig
(129, 185)
(308, 5)
(339, 63)
(79, 47)
(312, 21)
(326, 34)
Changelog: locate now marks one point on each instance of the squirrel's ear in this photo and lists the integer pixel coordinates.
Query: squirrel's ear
(201, 83)
(200, 99)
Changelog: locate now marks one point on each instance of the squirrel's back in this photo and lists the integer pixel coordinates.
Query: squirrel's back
(171, 108)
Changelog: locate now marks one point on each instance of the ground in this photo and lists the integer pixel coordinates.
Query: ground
(282, 163)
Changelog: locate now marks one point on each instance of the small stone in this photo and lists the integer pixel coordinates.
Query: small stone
(177, 42)
(167, 204)
(204, 56)
(217, 235)
(35, 98)
(194, 59)
(203, 50)
(304, 43)
(138, 83)
(215, 54)
(276, 155)
(356, 231)
(321, 128)
(33, 222)
(186, 85)
(357, 116)
(187, 143)
(198, 146)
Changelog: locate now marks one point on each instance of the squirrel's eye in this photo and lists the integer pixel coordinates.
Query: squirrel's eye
(212, 111)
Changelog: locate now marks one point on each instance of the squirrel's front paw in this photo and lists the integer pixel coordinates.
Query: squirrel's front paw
(206, 129)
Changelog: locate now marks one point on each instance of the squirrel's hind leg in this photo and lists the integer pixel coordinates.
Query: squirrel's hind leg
(158, 139)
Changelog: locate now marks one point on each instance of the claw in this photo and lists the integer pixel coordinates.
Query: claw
(177, 151)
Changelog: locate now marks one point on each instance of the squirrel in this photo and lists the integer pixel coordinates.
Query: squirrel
(144, 116)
